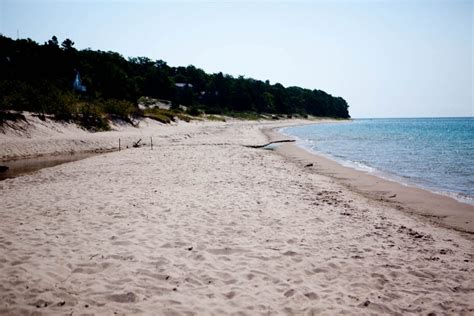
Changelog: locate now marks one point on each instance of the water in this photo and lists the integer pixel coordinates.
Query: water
(433, 153)
(29, 165)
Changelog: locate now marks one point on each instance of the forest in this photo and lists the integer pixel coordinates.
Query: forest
(39, 78)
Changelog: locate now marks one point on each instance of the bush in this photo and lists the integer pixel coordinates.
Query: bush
(165, 116)
(92, 117)
(16, 95)
(215, 118)
(193, 111)
(159, 117)
(120, 108)
(65, 108)
(183, 117)
(147, 101)
(213, 110)
(10, 116)
(252, 116)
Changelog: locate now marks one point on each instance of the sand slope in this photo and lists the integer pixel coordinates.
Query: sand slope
(36, 137)
(203, 225)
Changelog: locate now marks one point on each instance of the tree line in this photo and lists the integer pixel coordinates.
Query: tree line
(39, 78)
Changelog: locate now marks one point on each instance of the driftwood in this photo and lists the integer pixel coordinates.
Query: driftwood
(3, 168)
(137, 143)
(274, 142)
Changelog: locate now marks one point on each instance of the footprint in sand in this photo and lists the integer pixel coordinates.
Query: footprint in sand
(289, 293)
(230, 295)
(312, 296)
(128, 297)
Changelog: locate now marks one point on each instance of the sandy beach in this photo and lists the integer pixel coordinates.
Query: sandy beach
(202, 225)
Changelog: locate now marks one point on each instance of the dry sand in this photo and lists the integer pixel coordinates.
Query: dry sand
(204, 225)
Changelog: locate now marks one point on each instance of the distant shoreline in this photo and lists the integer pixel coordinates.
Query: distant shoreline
(434, 207)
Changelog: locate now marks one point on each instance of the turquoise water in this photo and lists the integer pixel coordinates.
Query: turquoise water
(433, 153)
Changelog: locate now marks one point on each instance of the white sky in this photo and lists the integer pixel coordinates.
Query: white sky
(386, 58)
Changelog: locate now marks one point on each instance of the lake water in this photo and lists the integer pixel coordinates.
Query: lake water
(433, 153)
(23, 166)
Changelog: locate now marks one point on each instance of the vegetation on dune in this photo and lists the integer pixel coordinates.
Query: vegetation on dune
(250, 116)
(166, 116)
(215, 118)
(9, 116)
(39, 78)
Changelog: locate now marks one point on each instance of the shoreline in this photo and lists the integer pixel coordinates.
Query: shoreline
(437, 208)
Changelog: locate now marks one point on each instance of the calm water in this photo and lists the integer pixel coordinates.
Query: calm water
(433, 153)
(23, 166)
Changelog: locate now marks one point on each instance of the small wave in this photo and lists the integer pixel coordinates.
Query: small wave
(308, 145)
(460, 197)
(360, 166)
(433, 154)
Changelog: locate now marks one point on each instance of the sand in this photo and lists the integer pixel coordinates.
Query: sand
(203, 225)
(440, 209)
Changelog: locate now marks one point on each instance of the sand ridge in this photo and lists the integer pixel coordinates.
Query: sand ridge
(204, 225)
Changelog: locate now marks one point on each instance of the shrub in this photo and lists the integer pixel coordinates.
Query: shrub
(66, 107)
(10, 116)
(213, 110)
(147, 101)
(159, 117)
(215, 118)
(245, 115)
(193, 111)
(120, 108)
(184, 117)
(165, 116)
(92, 118)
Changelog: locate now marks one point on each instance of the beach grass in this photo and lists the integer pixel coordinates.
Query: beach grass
(166, 116)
